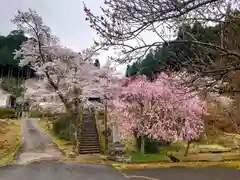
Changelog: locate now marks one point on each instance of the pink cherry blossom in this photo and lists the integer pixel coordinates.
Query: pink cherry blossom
(162, 110)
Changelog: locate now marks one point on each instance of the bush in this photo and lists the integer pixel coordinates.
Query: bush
(36, 114)
(7, 113)
(41, 114)
(151, 146)
(61, 127)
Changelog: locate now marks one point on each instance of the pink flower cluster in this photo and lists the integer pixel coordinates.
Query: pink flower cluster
(162, 110)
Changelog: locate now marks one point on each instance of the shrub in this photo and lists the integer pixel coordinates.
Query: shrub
(61, 127)
(7, 113)
(151, 146)
(36, 114)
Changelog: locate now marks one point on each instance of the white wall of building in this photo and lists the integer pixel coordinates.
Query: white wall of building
(3, 98)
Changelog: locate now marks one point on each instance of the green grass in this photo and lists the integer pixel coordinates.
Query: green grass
(9, 156)
(10, 140)
(148, 158)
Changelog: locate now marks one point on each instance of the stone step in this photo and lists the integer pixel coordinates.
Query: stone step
(86, 130)
(89, 149)
(89, 152)
(89, 118)
(83, 147)
(90, 143)
(88, 133)
(88, 126)
(91, 132)
(88, 122)
(93, 141)
(89, 137)
(89, 146)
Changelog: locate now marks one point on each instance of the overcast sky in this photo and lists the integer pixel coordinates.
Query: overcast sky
(65, 17)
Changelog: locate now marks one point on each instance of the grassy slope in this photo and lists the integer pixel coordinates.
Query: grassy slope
(227, 143)
(10, 140)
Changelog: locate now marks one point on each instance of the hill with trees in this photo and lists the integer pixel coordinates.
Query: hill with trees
(173, 57)
(12, 76)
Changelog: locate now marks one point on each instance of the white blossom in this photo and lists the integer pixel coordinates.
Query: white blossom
(63, 75)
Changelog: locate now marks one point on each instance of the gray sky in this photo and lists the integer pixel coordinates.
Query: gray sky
(65, 17)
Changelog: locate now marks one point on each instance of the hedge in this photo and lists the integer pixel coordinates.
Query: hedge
(7, 113)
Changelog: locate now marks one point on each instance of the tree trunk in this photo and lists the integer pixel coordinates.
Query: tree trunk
(76, 125)
(72, 130)
(79, 120)
(142, 144)
(105, 127)
(186, 151)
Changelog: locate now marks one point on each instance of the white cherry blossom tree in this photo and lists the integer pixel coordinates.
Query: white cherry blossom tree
(66, 79)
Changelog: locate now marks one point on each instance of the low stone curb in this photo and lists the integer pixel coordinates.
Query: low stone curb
(130, 167)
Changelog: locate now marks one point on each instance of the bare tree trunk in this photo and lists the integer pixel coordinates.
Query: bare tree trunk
(142, 144)
(142, 137)
(78, 125)
(187, 148)
(11, 71)
(105, 127)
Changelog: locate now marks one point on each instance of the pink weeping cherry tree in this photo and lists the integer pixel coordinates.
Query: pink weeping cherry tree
(160, 110)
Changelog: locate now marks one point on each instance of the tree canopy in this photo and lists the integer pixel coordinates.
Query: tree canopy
(8, 65)
(178, 57)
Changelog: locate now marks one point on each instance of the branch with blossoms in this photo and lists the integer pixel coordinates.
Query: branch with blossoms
(161, 110)
(66, 79)
(124, 25)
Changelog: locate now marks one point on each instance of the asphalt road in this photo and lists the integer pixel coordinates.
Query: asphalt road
(37, 161)
(37, 144)
(50, 170)
(184, 173)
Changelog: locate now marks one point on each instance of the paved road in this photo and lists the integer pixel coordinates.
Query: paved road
(50, 170)
(37, 144)
(37, 161)
(183, 173)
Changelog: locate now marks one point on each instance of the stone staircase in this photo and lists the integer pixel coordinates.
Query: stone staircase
(89, 140)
